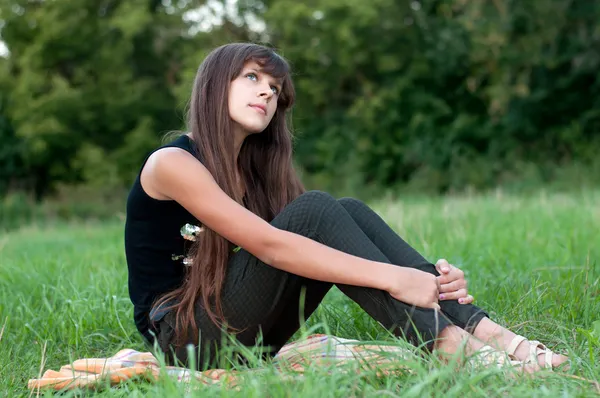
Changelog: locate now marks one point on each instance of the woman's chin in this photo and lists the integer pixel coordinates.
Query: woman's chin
(255, 129)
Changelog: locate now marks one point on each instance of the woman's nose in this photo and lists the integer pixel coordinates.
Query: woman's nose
(265, 92)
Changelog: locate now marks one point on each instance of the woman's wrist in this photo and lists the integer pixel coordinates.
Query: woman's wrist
(386, 276)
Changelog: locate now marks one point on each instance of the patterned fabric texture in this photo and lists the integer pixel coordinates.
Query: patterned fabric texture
(295, 357)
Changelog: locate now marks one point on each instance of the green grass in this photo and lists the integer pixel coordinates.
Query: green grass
(532, 262)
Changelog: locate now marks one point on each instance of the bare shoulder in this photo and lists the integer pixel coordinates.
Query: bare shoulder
(169, 161)
(174, 174)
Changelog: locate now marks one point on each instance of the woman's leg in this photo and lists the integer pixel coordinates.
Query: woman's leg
(321, 217)
(254, 299)
(399, 252)
(468, 317)
(257, 297)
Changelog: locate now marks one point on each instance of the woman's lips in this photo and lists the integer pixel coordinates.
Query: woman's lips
(259, 108)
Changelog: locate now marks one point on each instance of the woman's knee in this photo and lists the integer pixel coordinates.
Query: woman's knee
(315, 196)
(314, 202)
(351, 204)
(308, 212)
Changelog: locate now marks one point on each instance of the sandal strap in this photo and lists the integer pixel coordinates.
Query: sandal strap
(534, 353)
(548, 358)
(512, 347)
(535, 349)
(487, 356)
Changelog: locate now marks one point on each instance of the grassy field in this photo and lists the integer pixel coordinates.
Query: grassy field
(532, 262)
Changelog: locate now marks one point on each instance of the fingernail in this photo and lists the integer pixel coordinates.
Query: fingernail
(461, 300)
(442, 296)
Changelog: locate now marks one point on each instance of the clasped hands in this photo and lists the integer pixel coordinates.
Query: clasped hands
(452, 284)
(423, 289)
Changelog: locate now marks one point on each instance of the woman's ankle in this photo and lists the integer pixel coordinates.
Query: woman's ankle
(493, 334)
(452, 339)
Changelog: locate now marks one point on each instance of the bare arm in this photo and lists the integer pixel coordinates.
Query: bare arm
(174, 174)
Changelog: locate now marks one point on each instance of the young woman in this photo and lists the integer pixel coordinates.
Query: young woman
(232, 176)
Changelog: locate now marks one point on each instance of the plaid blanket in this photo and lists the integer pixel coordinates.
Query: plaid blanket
(295, 357)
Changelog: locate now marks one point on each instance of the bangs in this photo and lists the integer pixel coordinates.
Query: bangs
(271, 63)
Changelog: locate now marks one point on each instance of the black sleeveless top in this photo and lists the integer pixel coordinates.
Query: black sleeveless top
(154, 247)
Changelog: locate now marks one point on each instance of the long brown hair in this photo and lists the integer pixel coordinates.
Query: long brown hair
(264, 164)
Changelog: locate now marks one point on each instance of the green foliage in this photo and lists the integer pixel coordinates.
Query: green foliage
(91, 80)
(429, 95)
(593, 339)
(16, 209)
(69, 203)
(63, 296)
(11, 165)
(11, 162)
(431, 90)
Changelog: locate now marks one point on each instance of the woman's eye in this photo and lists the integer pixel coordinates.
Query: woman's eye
(252, 76)
(275, 90)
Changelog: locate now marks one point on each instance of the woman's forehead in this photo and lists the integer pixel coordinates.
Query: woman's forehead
(253, 65)
(259, 68)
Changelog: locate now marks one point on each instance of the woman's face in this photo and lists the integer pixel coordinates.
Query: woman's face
(253, 98)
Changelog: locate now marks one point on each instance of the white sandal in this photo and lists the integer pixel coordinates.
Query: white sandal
(534, 346)
(487, 356)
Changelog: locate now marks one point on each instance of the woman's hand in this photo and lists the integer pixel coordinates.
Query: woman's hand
(413, 286)
(453, 285)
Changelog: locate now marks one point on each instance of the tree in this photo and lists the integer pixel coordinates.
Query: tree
(394, 91)
(437, 94)
(92, 85)
(12, 169)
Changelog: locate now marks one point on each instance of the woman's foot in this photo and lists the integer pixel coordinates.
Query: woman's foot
(454, 339)
(530, 352)
(534, 352)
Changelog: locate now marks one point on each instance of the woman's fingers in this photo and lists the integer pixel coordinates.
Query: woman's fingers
(442, 266)
(455, 274)
(455, 295)
(453, 286)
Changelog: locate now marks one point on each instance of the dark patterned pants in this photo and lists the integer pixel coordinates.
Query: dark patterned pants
(259, 299)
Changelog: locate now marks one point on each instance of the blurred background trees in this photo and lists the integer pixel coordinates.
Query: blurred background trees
(430, 96)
